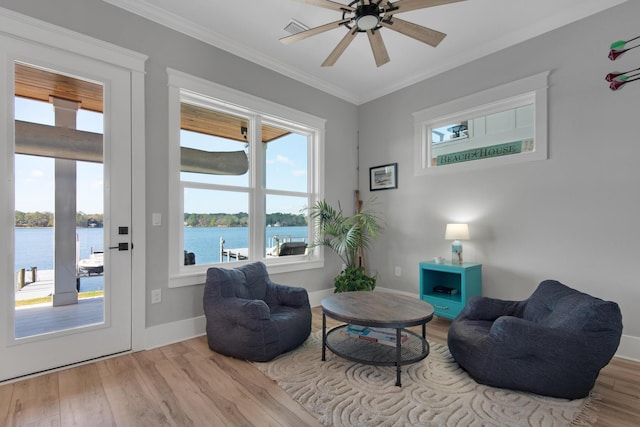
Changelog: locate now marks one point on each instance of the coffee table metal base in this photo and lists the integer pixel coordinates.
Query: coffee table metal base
(378, 310)
(414, 349)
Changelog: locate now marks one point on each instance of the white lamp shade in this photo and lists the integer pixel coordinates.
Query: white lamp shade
(457, 232)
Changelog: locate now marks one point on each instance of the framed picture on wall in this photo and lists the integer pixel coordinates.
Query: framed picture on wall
(383, 177)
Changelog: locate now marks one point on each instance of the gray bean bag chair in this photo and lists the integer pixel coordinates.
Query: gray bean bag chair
(250, 317)
(554, 343)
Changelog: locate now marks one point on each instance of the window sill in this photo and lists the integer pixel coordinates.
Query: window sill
(199, 276)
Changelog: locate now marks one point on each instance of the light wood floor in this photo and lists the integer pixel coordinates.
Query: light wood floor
(186, 384)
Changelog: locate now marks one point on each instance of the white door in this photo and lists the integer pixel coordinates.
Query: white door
(49, 332)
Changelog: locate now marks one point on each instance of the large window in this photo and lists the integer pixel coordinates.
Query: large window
(243, 170)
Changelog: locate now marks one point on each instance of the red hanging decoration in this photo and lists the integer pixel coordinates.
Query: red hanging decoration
(616, 74)
(617, 84)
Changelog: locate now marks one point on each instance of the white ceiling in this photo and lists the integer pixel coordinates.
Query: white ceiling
(252, 29)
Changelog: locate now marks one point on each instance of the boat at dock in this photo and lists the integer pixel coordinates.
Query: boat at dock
(94, 264)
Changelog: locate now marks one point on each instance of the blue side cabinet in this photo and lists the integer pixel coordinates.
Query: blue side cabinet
(465, 281)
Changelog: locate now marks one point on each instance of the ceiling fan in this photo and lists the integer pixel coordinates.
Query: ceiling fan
(369, 16)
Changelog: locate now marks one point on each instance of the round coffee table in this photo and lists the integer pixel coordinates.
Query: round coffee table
(376, 310)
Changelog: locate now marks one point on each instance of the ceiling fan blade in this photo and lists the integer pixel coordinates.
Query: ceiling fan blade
(328, 4)
(340, 48)
(407, 5)
(313, 31)
(418, 32)
(377, 45)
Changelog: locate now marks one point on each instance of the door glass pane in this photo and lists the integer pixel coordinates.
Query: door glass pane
(59, 211)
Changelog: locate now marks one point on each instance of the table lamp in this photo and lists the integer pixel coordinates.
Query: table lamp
(456, 232)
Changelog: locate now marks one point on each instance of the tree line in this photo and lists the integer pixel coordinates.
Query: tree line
(46, 219)
(241, 219)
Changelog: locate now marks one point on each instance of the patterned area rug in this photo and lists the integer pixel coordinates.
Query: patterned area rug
(434, 392)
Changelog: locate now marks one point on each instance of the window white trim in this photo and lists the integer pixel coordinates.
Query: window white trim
(529, 90)
(184, 87)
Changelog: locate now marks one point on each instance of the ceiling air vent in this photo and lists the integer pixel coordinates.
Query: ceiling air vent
(295, 27)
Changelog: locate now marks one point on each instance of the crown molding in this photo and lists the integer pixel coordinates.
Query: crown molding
(15, 24)
(184, 26)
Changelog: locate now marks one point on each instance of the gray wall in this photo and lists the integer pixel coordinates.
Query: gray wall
(167, 48)
(573, 217)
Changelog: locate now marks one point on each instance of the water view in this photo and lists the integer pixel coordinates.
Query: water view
(34, 246)
(204, 242)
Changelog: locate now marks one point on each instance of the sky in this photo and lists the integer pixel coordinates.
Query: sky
(286, 160)
(34, 176)
(286, 169)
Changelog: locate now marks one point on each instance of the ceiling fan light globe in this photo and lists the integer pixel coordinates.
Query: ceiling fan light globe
(367, 22)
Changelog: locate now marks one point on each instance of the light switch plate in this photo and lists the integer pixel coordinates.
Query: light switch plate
(156, 296)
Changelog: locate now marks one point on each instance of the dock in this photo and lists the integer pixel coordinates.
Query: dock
(239, 254)
(282, 246)
(42, 287)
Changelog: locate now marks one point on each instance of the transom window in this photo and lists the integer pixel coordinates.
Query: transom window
(502, 125)
(245, 170)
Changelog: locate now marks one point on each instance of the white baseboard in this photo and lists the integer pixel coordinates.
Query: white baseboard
(315, 297)
(629, 348)
(169, 333)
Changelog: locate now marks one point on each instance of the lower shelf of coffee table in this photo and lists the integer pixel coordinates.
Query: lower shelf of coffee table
(413, 350)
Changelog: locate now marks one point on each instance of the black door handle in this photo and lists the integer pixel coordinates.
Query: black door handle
(121, 246)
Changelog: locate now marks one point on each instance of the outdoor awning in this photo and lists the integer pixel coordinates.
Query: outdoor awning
(61, 143)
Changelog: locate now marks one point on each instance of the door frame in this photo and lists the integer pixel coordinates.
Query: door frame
(18, 26)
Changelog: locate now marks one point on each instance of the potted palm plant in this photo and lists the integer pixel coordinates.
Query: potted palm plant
(348, 237)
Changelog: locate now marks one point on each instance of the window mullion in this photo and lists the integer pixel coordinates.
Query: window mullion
(286, 193)
(257, 201)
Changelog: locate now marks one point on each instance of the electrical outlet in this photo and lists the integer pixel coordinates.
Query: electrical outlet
(156, 219)
(156, 296)
(398, 271)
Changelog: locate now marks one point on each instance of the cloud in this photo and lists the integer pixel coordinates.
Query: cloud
(281, 159)
(34, 177)
(299, 172)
